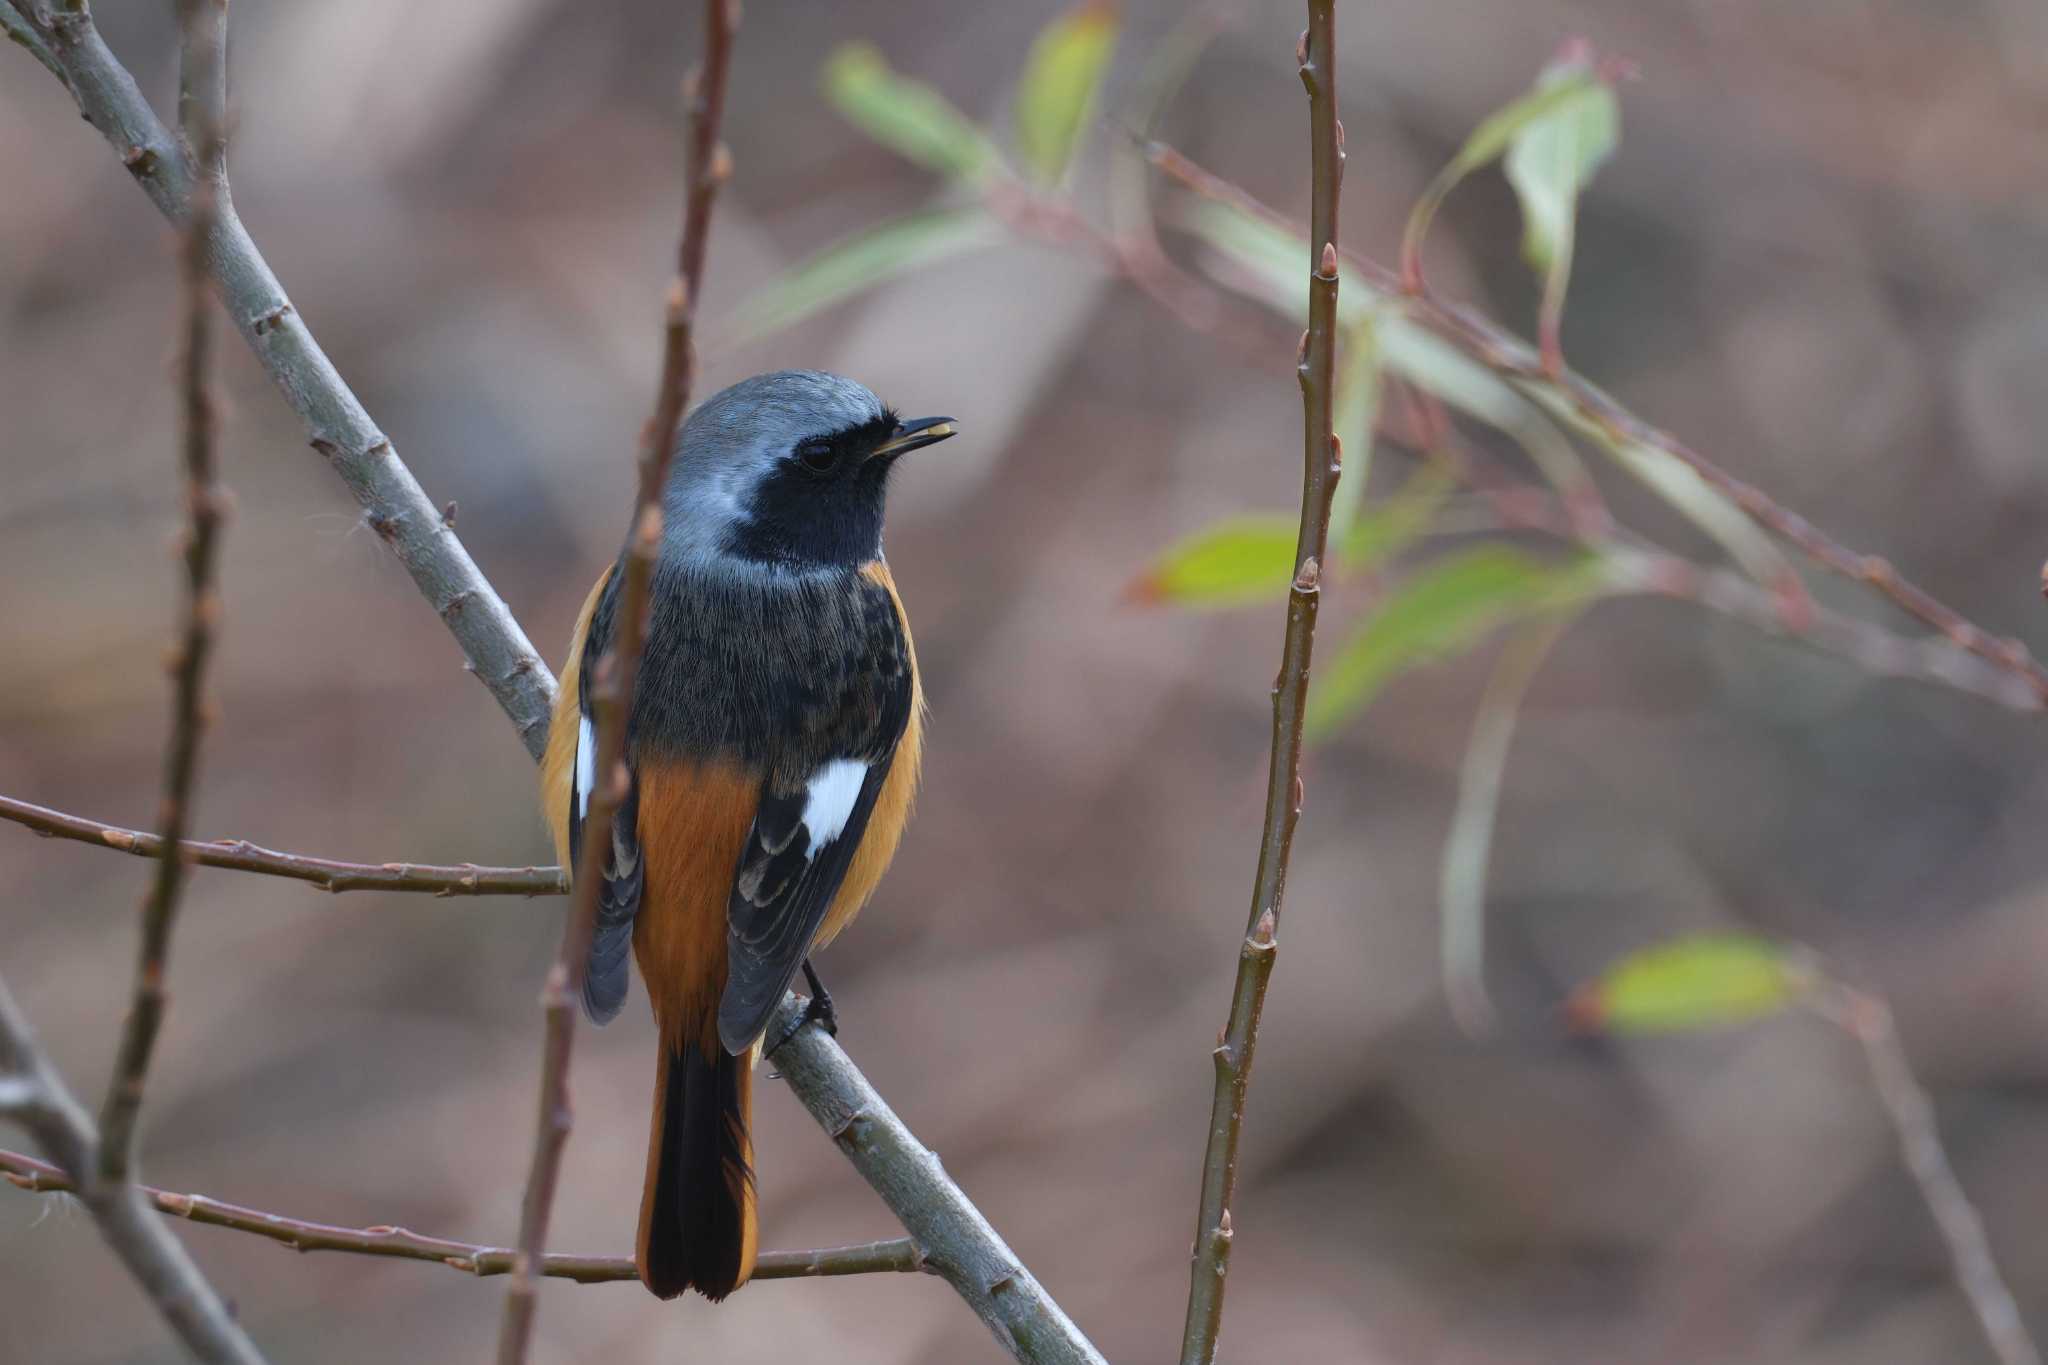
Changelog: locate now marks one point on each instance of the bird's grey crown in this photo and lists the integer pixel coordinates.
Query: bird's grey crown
(733, 439)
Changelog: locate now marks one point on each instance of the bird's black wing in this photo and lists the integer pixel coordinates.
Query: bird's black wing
(625, 872)
(812, 816)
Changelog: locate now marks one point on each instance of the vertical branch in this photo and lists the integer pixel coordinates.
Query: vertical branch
(612, 681)
(1321, 459)
(202, 109)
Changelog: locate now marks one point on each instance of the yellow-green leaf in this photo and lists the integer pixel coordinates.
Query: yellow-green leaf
(1355, 419)
(906, 115)
(1692, 983)
(1549, 161)
(1552, 157)
(1441, 612)
(1062, 79)
(1391, 525)
(1227, 564)
(860, 262)
(1487, 142)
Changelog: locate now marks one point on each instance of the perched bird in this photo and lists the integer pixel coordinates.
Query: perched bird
(773, 752)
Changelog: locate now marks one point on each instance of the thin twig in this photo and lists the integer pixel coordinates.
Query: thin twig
(239, 855)
(896, 1255)
(394, 505)
(18, 31)
(1869, 1021)
(956, 1240)
(202, 102)
(35, 1096)
(1572, 398)
(612, 682)
(1322, 458)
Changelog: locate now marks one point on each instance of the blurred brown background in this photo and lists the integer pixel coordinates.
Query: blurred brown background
(1817, 256)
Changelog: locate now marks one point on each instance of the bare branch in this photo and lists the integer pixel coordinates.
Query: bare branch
(1869, 1021)
(394, 505)
(897, 1255)
(19, 32)
(34, 1095)
(955, 1239)
(1582, 405)
(239, 855)
(203, 82)
(1322, 459)
(611, 684)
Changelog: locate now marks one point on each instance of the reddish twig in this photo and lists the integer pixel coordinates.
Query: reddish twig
(202, 108)
(1512, 359)
(239, 855)
(898, 1254)
(611, 682)
(1321, 461)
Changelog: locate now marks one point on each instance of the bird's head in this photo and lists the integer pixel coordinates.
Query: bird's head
(787, 469)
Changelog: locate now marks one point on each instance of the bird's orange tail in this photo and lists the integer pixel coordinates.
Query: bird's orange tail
(697, 1206)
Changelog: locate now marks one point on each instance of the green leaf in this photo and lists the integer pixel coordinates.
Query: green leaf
(1468, 848)
(1553, 157)
(1491, 138)
(1230, 563)
(1397, 521)
(1355, 419)
(860, 262)
(1550, 160)
(905, 115)
(1441, 612)
(1272, 257)
(1692, 983)
(1062, 79)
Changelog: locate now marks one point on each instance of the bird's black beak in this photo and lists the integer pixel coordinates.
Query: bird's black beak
(914, 434)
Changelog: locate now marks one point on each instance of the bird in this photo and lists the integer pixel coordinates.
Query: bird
(773, 750)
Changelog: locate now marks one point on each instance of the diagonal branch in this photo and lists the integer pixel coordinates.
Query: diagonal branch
(611, 684)
(239, 855)
(1595, 414)
(952, 1236)
(898, 1255)
(394, 505)
(203, 80)
(819, 1073)
(1322, 457)
(34, 1095)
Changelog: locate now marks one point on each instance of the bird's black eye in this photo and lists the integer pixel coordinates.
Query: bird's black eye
(820, 457)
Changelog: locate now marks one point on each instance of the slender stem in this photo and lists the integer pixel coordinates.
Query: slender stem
(896, 1255)
(1321, 461)
(955, 1239)
(239, 855)
(394, 505)
(1582, 405)
(1869, 1021)
(612, 682)
(203, 82)
(35, 1096)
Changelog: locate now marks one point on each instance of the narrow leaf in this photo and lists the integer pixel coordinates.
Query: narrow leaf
(1391, 525)
(1062, 79)
(1468, 848)
(859, 263)
(905, 115)
(1549, 161)
(1355, 419)
(1692, 983)
(1441, 612)
(1233, 562)
(1487, 142)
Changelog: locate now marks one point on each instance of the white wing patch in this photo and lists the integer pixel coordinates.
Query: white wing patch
(586, 765)
(829, 799)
